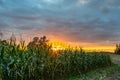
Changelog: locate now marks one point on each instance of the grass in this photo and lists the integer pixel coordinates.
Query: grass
(98, 74)
(41, 63)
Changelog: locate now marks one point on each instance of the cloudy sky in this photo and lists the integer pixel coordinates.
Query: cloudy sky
(81, 22)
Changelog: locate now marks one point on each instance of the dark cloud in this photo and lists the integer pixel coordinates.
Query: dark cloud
(94, 21)
(105, 10)
(24, 28)
(85, 32)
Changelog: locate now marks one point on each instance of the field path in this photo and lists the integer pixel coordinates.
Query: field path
(115, 59)
(116, 75)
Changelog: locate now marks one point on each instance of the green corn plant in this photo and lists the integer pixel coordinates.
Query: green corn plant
(40, 63)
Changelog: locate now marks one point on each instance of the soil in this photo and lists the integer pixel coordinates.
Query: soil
(116, 75)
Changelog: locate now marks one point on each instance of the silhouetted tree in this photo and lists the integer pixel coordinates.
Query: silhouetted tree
(38, 42)
(43, 41)
(117, 50)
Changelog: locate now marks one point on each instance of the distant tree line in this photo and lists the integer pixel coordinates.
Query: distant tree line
(41, 42)
(37, 42)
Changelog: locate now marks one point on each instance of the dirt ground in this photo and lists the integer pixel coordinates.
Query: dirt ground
(116, 75)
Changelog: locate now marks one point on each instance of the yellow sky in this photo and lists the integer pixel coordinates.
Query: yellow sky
(63, 45)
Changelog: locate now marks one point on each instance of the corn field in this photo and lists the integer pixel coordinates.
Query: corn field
(39, 63)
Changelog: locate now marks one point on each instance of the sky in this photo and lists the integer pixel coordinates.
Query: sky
(77, 22)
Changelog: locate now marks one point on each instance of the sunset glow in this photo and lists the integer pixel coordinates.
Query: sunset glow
(59, 39)
(62, 46)
(71, 22)
(56, 48)
(100, 49)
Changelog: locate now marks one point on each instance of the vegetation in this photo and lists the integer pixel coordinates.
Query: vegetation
(40, 62)
(38, 42)
(98, 74)
(117, 50)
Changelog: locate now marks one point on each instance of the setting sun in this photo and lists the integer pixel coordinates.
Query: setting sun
(56, 46)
